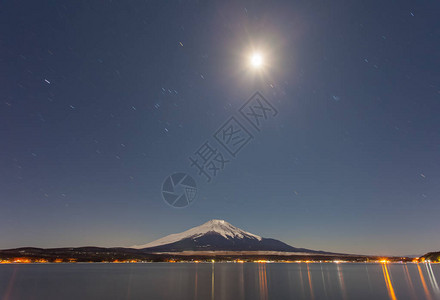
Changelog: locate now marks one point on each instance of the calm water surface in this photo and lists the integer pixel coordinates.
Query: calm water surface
(220, 281)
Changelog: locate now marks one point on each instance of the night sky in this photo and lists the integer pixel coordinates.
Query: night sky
(101, 100)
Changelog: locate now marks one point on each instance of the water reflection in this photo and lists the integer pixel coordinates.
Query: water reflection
(432, 279)
(190, 281)
(262, 278)
(196, 282)
(11, 284)
(409, 281)
(309, 276)
(408, 277)
(388, 282)
(341, 281)
(241, 281)
(422, 279)
(212, 281)
(323, 282)
(301, 280)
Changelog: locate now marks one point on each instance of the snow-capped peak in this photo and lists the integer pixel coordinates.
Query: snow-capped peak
(221, 227)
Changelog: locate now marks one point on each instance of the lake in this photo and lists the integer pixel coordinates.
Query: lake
(219, 281)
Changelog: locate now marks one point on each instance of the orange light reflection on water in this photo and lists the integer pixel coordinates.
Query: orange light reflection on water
(309, 276)
(409, 281)
(263, 281)
(390, 288)
(212, 280)
(196, 288)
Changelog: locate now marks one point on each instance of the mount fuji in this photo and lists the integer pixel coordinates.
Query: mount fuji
(219, 235)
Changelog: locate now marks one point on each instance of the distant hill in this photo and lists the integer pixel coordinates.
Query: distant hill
(432, 256)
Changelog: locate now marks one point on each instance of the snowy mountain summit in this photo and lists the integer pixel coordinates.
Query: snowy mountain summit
(219, 227)
(218, 235)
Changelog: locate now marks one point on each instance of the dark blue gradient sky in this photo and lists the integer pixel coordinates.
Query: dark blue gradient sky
(101, 100)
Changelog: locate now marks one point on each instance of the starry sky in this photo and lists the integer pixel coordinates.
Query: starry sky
(101, 100)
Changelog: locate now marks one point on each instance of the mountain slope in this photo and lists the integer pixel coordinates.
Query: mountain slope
(432, 256)
(219, 235)
(220, 227)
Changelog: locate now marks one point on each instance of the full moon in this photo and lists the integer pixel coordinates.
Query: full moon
(256, 60)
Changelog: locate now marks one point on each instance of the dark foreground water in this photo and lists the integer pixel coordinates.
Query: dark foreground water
(220, 281)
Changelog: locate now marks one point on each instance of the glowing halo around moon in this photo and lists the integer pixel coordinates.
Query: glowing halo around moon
(256, 60)
(255, 64)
